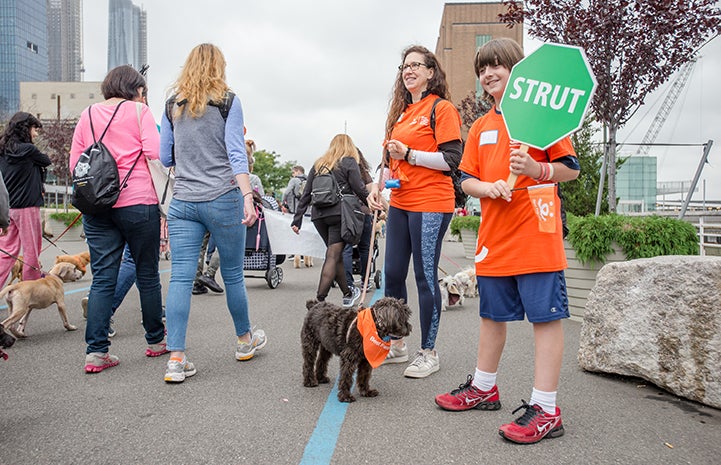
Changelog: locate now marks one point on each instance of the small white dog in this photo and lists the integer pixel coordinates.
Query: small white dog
(454, 289)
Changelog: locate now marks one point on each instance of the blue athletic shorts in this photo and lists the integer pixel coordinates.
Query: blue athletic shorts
(540, 297)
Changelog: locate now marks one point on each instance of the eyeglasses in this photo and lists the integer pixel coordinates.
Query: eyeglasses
(413, 66)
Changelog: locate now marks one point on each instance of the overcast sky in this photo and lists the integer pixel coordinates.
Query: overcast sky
(305, 71)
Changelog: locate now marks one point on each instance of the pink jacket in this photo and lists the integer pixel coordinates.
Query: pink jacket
(128, 134)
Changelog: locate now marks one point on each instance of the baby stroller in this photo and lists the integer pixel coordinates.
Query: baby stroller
(375, 274)
(258, 256)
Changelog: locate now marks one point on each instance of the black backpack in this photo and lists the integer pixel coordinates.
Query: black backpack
(96, 185)
(454, 173)
(324, 190)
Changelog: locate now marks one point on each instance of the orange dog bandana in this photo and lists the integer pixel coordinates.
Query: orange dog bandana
(541, 197)
(374, 348)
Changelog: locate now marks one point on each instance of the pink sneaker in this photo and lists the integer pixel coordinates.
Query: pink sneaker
(467, 396)
(533, 425)
(156, 350)
(95, 362)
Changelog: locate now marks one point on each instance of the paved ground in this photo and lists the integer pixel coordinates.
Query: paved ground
(259, 412)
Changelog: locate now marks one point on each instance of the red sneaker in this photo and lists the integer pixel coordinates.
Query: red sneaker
(533, 425)
(467, 396)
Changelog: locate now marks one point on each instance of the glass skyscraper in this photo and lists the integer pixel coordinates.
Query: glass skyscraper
(65, 40)
(23, 49)
(127, 34)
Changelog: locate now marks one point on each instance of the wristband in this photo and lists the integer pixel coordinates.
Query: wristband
(248, 193)
(408, 152)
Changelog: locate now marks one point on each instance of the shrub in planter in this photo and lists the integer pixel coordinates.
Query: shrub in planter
(639, 237)
(66, 218)
(471, 223)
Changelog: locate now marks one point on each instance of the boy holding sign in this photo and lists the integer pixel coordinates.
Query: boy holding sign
(519, 256)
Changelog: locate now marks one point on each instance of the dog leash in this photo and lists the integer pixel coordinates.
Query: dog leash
(21, 260)
(53, 243)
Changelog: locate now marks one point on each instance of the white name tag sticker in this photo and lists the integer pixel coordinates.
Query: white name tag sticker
(488, 137)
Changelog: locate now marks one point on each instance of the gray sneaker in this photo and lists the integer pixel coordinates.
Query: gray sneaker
(95, 362)
(246, 350)
(178, 370)
(397, 354)
(351, 300)
(425, 363)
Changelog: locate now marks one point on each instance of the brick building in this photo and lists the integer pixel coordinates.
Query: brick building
(464, 28)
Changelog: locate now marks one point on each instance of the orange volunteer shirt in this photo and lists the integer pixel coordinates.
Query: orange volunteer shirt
(509, 240)
(423, 189)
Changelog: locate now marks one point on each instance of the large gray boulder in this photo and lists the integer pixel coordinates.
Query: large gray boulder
(658, 319)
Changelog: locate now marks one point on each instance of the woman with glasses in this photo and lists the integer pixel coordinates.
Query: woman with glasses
(423, 145)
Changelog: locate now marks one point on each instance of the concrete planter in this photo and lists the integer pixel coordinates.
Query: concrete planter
(56, 228)
(580, 278)
(469, 239)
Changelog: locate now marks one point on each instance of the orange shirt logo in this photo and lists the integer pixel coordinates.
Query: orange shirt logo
(374, 348)
(541, 198)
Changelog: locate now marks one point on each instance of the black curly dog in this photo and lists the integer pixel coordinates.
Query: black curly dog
(331, 330)
(6, 341)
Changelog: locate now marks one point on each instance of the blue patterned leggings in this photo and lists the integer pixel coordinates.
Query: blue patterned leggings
(420, 235)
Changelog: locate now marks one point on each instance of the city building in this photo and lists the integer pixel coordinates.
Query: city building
(636, 185)
(127, 34)
(23, 49)
(65, 40)
(464, 28)
(48, 100)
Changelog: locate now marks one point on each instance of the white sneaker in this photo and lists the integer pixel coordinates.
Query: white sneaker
(397, 354)
(351, 300)
(425, 363)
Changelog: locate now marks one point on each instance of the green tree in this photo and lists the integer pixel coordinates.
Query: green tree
(633, 46)
(579, 195)
(272, 173)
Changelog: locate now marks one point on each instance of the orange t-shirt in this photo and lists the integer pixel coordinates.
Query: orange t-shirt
(510, 240)
(423, 189)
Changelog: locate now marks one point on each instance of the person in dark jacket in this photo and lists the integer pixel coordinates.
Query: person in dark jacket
(23, 170)
(342, 160)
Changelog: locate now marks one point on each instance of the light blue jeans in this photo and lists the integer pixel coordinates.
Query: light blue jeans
(187, 224)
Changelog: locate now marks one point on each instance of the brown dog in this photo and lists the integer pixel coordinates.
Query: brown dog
(25, 296)
(329, 329)
(80, 260)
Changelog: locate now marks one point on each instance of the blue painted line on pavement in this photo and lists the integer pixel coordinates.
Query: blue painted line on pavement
(322, 442)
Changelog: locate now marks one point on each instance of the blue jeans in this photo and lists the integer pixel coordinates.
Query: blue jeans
(419, 234)
(187, 224)
(363, 248)
(107, 234)
(126, 278)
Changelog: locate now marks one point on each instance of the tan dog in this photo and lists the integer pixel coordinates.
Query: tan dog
(17, 272)
(25, 296)
(80, 260)
(307, 261)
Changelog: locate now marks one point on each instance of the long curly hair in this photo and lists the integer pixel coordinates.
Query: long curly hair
(401, 97)
(341, 146)
(18, 131)
(202, 80)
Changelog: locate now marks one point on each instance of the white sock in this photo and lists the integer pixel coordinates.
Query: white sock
(545, 400)
(484, 381)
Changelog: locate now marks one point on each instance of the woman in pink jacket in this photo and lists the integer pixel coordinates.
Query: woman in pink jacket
(135, 218)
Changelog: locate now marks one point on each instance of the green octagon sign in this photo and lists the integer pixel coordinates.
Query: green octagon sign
(547, 94)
